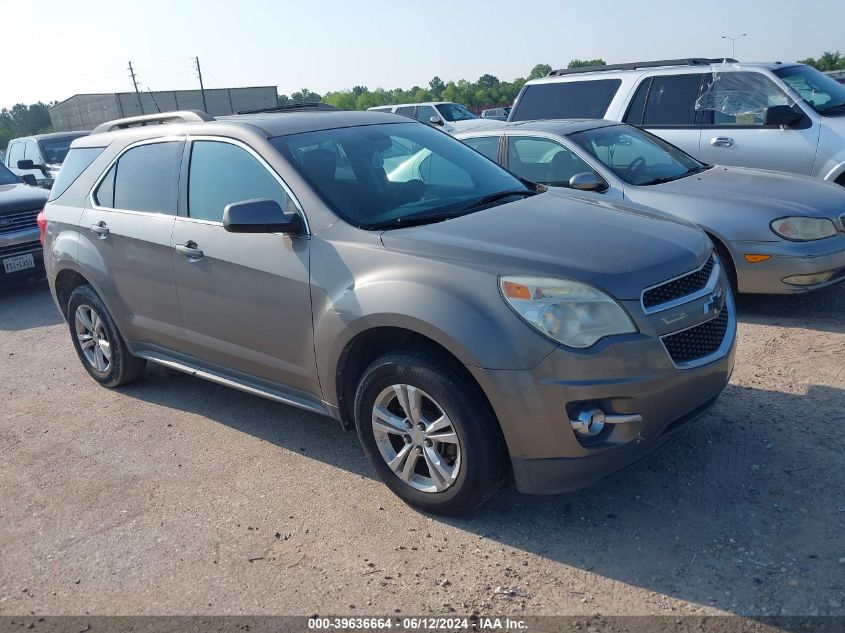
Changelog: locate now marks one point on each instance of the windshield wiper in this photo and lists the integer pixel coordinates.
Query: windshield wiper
(499, 195)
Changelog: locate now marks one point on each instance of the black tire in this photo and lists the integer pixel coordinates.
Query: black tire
(484, 459)
(727, 263)
(122, 368)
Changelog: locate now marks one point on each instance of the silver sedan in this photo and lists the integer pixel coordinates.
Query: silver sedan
(778, 233)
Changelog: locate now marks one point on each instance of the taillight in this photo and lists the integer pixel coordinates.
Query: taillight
(42, 225)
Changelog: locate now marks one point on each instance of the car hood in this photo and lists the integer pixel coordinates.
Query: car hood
(20, 197)
(775, 193)
(610, 246)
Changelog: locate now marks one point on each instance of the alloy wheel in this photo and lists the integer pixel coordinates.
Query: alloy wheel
(416, 438)
(92, 337)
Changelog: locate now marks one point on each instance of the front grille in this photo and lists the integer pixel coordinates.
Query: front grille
(11, 222)
(698, 341)
(20, 249)
(680, 287)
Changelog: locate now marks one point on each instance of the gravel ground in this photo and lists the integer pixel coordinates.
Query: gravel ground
(178, 496)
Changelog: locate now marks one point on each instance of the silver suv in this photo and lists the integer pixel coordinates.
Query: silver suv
(373, 269)
(779, 116)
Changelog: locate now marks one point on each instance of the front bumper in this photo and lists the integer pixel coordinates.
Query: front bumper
(621, 375)
(788, 259)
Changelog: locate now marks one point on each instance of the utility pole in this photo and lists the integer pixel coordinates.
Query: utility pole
(202, 89)
(135, 83)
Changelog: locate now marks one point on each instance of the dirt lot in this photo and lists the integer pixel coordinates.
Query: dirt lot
(175, 495)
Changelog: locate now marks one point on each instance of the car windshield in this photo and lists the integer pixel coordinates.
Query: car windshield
(7, 177)
(377, 176)
(454, 112)
(822, 93)
(55, 149)
(637, 157)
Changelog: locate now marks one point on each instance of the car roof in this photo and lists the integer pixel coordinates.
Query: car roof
(658, 70)
(562, 127)
(39, 137)
(421, 103)
(269, 124)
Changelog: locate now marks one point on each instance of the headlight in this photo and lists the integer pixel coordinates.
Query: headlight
(569, 312)
(803, 229)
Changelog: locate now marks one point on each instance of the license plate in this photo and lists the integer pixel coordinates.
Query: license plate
(19, 262)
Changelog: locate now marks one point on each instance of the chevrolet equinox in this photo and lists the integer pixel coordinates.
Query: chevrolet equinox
(467, 324)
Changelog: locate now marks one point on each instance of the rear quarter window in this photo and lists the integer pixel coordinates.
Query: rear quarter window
(76, 162)
(566, 100)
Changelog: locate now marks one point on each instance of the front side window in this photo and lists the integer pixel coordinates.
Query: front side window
(400, 172)
(55, 149)
(487, 145)
(221, 174)
(671, 100)
(637, 157)
(455, 112)
(31, 152)
(544, 161)
(740, 98)
(145, 178)
(821, 92)
(424, 114)
(566, 100)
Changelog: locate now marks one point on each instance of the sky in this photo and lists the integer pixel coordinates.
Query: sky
(65, 48)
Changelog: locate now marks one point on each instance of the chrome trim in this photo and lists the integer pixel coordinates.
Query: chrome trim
(185, 138)
(722, 350)
(161, 359)
(708, 288)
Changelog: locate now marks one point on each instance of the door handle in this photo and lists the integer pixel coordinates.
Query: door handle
(100, 229)
(721, 141)
(190, 251)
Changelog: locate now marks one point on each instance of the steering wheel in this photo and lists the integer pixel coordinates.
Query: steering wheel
(635, 167)
(405, 192)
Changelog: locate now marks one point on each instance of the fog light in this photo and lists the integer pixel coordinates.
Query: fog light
(808, 280)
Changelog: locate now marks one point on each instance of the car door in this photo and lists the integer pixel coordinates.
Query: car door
(734, 104)
(126, 244)
(666, 106)
(33, 152)
(245, 297)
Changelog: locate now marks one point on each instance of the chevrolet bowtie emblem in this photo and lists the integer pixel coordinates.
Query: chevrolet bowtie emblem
(713, 303)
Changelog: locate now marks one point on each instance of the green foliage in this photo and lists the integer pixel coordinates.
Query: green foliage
(828, 61)
(23, 120)
(540, 70)
(583, 63)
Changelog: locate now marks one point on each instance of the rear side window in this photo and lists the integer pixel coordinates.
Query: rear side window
(76, 161)
(544, 161)
(566, 100)
(487, 145)
(222, 173)
(671, 100)
(145, 178)
(406, 111)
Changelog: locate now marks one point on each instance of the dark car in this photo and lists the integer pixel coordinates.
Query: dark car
(20, 247)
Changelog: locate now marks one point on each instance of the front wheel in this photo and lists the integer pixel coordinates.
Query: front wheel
(429, 433)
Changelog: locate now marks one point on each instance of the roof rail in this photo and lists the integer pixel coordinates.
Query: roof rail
(293, 107)
(691, 61)
(180, 116)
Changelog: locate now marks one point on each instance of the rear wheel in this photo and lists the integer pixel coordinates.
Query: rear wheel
(429, 433)
(97, 341)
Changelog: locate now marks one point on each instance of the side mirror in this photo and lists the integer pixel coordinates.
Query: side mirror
(782, 115)
(27, 164)
(435, 120)
(260, 216)
(30, 180)
(587, 181)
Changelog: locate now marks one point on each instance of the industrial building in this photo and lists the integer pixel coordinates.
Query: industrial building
(87, 111)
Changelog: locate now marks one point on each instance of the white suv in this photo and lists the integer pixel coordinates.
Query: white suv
(780, 116)
(451, 117)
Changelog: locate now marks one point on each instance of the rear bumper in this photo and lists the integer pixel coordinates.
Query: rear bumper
(788, 259)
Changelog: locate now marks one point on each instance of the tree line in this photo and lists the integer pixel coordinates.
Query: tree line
(830, 60)
(486, 91)
(23, 120)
